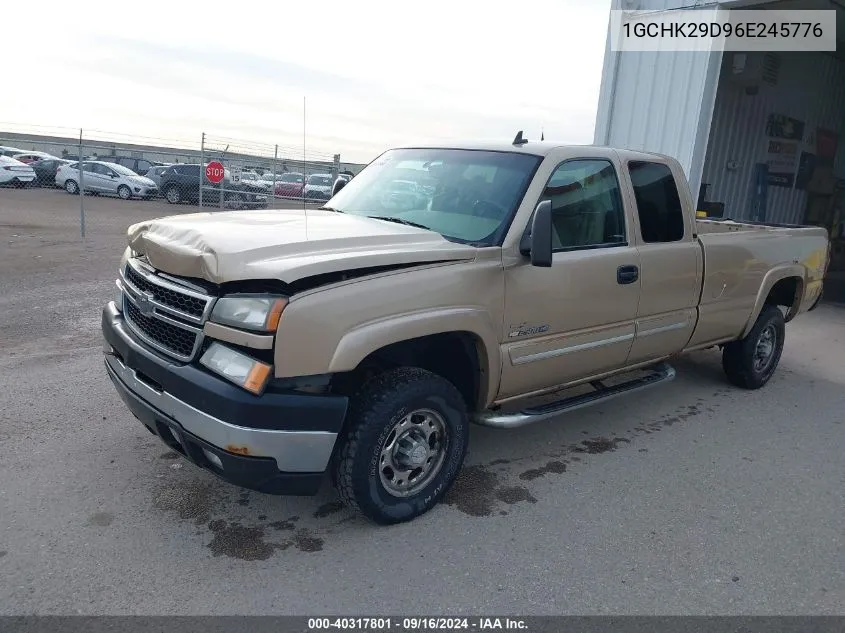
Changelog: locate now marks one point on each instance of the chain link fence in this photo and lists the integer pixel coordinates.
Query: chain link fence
(213, 172)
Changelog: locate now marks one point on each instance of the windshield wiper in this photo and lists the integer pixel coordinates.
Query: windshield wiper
(325, 208)
(388, 218)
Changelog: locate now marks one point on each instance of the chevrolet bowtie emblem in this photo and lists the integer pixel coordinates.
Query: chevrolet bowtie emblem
(145, 305)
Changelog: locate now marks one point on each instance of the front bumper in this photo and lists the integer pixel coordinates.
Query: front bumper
(285, 449)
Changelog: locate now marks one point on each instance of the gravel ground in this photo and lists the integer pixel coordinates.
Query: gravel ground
(695, 498)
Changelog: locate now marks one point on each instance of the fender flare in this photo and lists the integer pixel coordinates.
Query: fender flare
(362, 341)
(787, 271)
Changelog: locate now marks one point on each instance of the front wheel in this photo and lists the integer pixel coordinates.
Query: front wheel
(750, 362)
(235, 201)
(404, 444)
(124, 192)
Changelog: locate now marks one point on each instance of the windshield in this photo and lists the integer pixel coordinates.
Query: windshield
(465, 195)
(125, 171)
(320, 181)
(291, 178)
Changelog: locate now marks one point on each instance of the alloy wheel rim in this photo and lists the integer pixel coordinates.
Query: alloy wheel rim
(413, 453)
(764, 351)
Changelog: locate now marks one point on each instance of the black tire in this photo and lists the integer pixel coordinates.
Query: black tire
(71, 187)
(124, 192)
(173, 195)
(234, 201)
(381, 404)
(748, 363)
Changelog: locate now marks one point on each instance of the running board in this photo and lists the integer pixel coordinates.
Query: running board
(657, 375)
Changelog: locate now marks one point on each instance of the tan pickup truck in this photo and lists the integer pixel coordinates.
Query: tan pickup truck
(440, 286)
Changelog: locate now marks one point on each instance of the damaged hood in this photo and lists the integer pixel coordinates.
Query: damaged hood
(283, 244)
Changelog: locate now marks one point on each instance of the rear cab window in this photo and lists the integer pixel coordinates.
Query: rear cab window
(659, 206)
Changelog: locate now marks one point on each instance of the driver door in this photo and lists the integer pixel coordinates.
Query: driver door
(576, 319)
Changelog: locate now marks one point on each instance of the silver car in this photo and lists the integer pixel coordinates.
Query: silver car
(105, 178)
(154, 174)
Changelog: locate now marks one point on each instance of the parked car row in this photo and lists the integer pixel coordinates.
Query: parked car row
(179, 182)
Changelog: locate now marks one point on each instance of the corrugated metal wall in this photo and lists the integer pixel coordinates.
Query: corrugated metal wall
(659, 101)
(811, 88)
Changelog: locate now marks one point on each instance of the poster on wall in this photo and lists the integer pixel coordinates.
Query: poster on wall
(782, 160)
(785, 127)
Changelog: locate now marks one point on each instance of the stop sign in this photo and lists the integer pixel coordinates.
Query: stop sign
(214, 171)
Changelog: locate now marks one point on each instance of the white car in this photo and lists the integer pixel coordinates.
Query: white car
(14, 172)
(318, 187)
(106, 178)
(8, 150)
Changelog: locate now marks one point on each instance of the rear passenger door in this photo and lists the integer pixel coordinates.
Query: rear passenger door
(670, 262)
(92, 181)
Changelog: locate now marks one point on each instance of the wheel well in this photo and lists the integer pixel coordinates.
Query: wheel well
(455, 356)
(784, 293)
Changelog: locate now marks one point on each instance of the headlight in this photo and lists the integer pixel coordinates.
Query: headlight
(238, 368)
(260, 313)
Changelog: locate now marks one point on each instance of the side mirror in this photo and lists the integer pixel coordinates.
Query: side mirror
(537, 241)
(339, 184)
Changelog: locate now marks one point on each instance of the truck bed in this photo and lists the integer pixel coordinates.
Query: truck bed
(742, 261)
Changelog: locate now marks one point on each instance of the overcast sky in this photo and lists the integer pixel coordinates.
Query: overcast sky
(374, 73)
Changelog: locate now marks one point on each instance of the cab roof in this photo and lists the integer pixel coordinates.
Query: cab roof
(535, 148)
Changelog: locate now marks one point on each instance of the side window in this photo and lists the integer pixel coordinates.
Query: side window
(144, 166)
(658, 203)
(190, 170)
(89, 167)
(587, 207)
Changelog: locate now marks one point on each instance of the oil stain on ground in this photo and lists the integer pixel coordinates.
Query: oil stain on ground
(477, 492)
(288, 525)
(556, 467)
(599, 445)
(192, 501)
(238, 541)
(514, 494)
(247, 542)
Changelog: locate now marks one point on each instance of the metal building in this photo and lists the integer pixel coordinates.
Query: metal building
(761, 135)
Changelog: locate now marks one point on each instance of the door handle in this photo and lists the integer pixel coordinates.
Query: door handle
(627, 274)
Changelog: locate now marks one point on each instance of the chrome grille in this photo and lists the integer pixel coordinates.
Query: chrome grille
(162, 313)
(173, 339)
(171, 298)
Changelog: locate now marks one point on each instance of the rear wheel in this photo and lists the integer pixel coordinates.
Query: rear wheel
(404, 444)
(71, 187)
(750, 362)
(173, 195)
(124, 192)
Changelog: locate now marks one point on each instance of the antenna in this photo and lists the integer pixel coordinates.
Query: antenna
(519, 140)
(304, 170)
